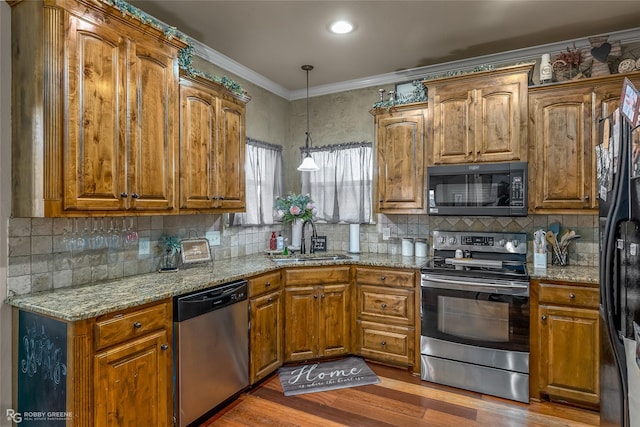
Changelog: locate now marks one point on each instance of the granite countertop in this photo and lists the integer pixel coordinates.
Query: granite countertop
(83, 302)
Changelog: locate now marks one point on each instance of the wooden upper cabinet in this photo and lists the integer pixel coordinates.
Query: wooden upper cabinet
(479, 117)
(563, 132)
(562, 149)
(212, 147)
(400, 161)
(105, 87)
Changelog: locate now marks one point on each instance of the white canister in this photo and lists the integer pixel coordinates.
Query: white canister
(407, 247)
(421, 248)
(546, 70)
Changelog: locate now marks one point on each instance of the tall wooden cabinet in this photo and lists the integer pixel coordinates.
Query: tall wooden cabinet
(212, 147)
(479, 117)
(400, 159)
(266, 325)
(565, 342)
(563, 133)
(96, 111)
(317, 312)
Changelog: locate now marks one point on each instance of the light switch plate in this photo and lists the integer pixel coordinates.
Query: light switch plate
(213, 237)
(386, 233)
(143, 246)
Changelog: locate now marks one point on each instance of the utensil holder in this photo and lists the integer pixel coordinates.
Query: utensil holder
(559, 256)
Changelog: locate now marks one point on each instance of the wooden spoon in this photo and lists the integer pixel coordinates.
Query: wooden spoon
(551, 238)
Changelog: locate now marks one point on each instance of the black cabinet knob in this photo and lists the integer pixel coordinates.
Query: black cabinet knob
(124, 195)
(137, 325)
(135, 195)
(164, 347)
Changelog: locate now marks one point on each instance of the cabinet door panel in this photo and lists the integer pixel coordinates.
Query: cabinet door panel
(94, 146)
(452, 124)
(334, 320)
(131, 376)
(198, 124)
(562, 141)
(569, 343)
(153, 128)
(231, 150)
(301, 323)
(498, 135)
(266, 334)
(400, 160)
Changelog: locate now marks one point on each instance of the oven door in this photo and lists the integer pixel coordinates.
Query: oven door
(476, 312)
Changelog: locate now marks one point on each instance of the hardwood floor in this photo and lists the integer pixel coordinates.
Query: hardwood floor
(400, 399)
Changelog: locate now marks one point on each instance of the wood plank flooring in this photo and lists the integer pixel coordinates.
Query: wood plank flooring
(400, 399)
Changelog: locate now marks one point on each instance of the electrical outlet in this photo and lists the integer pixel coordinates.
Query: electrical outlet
(386, 233)
(213, 237)
(143, 246)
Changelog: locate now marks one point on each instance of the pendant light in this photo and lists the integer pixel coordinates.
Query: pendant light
(308, 165)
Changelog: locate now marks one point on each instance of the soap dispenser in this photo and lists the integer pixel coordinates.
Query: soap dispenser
(272, 241)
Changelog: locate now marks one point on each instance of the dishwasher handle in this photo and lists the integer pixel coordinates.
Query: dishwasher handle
(202, 302)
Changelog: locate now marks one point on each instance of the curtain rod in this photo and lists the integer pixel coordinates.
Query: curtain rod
(341, 146)
(263, 144)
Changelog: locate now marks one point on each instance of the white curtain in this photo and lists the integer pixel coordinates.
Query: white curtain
(342, 188)
(264, 181)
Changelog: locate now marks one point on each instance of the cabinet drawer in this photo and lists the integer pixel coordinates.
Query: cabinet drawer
(386, 343)
(569, 295)
(265, 283)
(384, 277)
(117, 327)
(317, 275)
(380, 304)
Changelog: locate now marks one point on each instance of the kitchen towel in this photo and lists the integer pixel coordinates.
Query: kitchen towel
(354, 238)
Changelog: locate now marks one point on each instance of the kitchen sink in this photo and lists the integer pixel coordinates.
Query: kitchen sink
(310, 257)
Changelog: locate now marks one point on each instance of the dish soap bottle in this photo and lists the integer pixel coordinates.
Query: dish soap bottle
(272, 241)
(280, 242)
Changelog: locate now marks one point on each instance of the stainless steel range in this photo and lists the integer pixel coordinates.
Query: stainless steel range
(475, 313)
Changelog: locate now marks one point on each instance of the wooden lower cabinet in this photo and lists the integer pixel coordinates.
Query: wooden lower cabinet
(132, 383)
(386, 315)
(114, 370)
(317, 312)
(266, 325)
(565, 342)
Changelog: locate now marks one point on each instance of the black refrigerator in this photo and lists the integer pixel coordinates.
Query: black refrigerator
(619, 200)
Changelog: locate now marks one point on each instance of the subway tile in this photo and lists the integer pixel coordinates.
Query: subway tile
(41, 244)
(19, 245)
(19, 266)
(41, 227)
(19, 227)
(62, 279)
(41, 282)
(19, 285)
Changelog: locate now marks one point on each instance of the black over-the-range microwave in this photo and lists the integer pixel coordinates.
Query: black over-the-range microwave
(481, 189)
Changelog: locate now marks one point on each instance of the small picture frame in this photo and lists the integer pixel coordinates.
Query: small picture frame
(404, 90)
(630, 102)
(195, 250)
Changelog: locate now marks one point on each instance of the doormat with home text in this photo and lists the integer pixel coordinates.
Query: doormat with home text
(323, 376)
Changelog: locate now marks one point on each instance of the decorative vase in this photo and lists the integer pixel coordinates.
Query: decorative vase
(546, 71)
(296, 234)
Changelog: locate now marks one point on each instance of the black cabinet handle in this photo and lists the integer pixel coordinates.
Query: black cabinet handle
(383, 278)
(544, 317)
(383, 305)
(124, 195)
(267, 284)
(571, 295)
(135, 196)
(164, 347)
(383, 343)
(315, 296)
(137, 325)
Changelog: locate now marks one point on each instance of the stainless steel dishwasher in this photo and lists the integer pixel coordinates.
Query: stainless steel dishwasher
(211, 333)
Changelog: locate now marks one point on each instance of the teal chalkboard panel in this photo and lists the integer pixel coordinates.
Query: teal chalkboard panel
(42, 371)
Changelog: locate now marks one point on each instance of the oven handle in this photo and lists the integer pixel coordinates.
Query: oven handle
(511, 289)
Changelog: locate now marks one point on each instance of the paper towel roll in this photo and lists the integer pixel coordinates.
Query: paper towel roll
(354, 238)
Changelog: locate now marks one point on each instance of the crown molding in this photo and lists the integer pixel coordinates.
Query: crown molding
(498, 59)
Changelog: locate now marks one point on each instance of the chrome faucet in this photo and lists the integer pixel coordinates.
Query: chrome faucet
(314, 237)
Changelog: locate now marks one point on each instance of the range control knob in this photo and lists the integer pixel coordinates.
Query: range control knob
(452, 240)
(441, 240)
(502, 242)
(515, 243)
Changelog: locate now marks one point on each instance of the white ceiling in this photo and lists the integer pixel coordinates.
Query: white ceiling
(275, 38)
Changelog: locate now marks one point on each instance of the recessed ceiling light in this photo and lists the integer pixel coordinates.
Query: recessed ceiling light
(341, 27)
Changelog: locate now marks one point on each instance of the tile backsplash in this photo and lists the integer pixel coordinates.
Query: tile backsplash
(39, 259)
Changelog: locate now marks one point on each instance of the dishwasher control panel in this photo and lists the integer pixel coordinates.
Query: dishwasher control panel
(196, 303)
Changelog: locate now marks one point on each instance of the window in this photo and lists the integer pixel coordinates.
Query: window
(341, 189)
(264, 181)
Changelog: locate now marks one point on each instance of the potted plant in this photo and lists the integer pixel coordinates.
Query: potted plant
(171, 249)
(295, 209)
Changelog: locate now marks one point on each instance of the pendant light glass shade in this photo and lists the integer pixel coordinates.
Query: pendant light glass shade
(308, 164)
